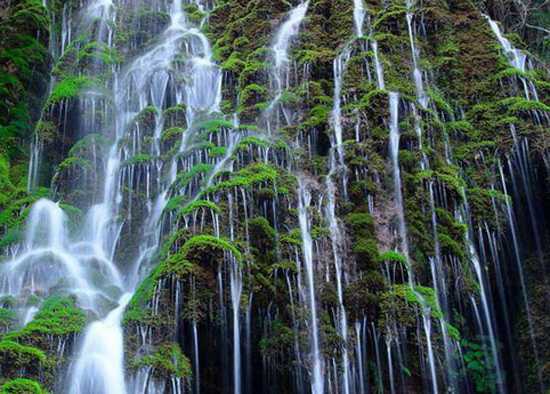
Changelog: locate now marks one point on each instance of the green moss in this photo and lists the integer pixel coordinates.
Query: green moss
(74, 162)
(58, 316)
(293, 237)
(198, 204)
(138, 159)
(166, 361)
(254, 174)
(279, 341)
(21, 386)
(214, 125)
(251, 141)
(69, 87)
(183, 179)
(520, 104)
(7, 318)
(207, 243)
(392, 256)
(17, 356)
(172, 132)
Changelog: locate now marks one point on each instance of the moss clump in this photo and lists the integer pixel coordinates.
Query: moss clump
(421, 296)
(253, 174)
(392, 256)
(280, 340)
(197, 170)
(166, 361)
(58, 316)
(214, 125)
(138, 159)
(7, 318)
(15, 357)
(69, 87)
(21, 386)
(198, 204)
(207, 243)
(248, 142)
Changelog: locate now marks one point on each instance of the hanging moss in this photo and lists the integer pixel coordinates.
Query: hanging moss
(7, 318)
(138, 159)
(58, 317)
(22, 386)
(166, 361)
(254, 174)
(198, 204)
(206, 243)
(69, 88)
(15, 357)
(392, 256)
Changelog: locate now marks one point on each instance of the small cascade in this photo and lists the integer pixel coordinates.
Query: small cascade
(100, 369)
(337, 241)
(317, 363)
(417, 73)
(34, 163)
(236, 286)
(378, 65)
(280, 70)
(339, 68)
(517, 59)
(487, 316)
(394, 157)
(359, 12)
(404, 245)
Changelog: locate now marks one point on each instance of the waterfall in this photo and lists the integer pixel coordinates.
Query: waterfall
(417, 73)
(88, 255)
(378, 65)
(100, 369)
(339, 68)
(394, 157)
(486, 307)
(280, 69)
(517, 59)
(317, 368)
(359, 12)
(222, 215)
(337, 241)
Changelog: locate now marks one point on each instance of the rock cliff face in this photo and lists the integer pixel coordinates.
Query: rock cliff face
(268, 196)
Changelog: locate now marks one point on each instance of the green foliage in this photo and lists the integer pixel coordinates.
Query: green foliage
(419, 295)
(21, 386)
(279, 340)
(214, 125)
(251, 141)
(391, 256)
(18, 356)
(477, 367)
(58, 316)
(198, 169)
(167, 361)
(138, 159)
(254, 174)
(69, 88)
(207, 243)
(7, 318)
(198, 204)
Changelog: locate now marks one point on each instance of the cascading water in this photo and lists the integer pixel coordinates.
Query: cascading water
(517, 59)
(394, 156)
(417, 73)
(314, 271)
(99, 366)
(317, 364)
(359, 13)
(280, 69)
